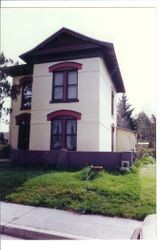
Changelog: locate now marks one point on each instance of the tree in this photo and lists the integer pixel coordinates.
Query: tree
(143, 127)
(2, 139)
(153, 132)
(7, 90)
(146, 130)
(124, 114)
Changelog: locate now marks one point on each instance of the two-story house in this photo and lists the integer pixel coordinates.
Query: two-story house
(68, 96)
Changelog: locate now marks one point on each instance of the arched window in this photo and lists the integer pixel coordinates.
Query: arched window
(23, 121)
(26, 84)
(64, 129)
(65, 81)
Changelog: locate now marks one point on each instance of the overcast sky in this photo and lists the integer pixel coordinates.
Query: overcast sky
(131, 30)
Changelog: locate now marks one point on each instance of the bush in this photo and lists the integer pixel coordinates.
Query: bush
(145, 161)
(88, 174)
(143, 151)
(5, 151)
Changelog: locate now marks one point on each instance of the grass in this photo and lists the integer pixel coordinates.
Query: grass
(12, 177)
(130, 195)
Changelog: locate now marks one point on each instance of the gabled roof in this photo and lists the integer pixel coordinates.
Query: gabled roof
(66, 44)
(64, 39)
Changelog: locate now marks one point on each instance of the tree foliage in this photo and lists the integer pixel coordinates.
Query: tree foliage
(7, 90)
(125, 117)
(146, 128)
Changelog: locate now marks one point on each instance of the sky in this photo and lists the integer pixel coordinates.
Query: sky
(131, 30)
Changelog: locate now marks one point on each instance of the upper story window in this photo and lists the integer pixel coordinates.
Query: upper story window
(65, 82)
(112, 103)
(26, 92)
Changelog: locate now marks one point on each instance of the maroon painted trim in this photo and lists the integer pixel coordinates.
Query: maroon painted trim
(26, 78)
(65, 66)
(61, 113)
(21, 117)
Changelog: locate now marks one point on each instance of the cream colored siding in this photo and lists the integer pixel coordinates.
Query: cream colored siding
(87, 136)
(40, 136)
(126, 140)
(16, 105)
(106, 119)
(88, 87)
(94, 94)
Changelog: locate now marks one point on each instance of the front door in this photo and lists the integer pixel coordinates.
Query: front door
(24, 134)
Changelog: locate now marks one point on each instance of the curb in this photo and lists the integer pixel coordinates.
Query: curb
(30, 233)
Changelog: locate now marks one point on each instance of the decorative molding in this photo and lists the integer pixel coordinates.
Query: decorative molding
(61, 113)
(65, 66)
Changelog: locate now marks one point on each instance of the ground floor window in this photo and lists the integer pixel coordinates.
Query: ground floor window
(64, 133)
(23, 122)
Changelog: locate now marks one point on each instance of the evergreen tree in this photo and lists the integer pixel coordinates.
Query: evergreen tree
(153, 131)
(143, 127)
(124, 114)
(146, 128)
(7, 90)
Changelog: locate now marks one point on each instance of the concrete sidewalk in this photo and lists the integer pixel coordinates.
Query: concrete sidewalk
(45, 223)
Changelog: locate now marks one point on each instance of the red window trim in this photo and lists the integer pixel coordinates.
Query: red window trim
(21, 117)
(65, 66)
(61, 113)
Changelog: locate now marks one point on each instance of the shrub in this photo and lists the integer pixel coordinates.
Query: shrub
(145, 161)
(124, 170)
(88, 174)
(143, 151)
(5, 151)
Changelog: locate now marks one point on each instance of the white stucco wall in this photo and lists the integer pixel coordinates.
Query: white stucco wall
(106, 118)
(15, 106)
(94, 93)
(88, 86)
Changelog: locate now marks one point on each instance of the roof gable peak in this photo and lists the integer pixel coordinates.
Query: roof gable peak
(65, 38)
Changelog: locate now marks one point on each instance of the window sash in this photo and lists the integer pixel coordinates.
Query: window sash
(58, 93)
(67, 89)
(26, 95)
(112, 103)
(66, 135)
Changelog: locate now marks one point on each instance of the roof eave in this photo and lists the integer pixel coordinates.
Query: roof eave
(19, 70)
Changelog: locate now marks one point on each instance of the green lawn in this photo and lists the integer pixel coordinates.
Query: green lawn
(131, 195)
